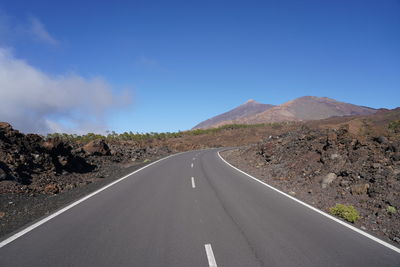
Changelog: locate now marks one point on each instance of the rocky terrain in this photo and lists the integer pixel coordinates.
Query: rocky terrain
(32, 164)
(305, 108)
(39, 175)
(356, 156)
(325, 166)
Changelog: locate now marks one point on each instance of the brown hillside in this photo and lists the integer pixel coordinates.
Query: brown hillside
(302, 109)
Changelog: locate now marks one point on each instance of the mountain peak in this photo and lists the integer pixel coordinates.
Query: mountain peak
(250, 101)
(250, 107)
(300, 109)
(316, 98)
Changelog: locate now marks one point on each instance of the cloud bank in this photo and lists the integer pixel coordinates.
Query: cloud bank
(33, 101)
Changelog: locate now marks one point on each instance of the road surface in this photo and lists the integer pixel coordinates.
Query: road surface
(192, 209)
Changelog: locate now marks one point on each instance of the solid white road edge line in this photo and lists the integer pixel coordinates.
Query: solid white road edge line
(48, 218)
(317, 210)
(210, 255)
(193, 184)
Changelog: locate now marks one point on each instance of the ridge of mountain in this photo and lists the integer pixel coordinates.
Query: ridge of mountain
(300, 109)
(249, 108)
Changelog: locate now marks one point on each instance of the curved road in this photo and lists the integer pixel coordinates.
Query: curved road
(161, 216)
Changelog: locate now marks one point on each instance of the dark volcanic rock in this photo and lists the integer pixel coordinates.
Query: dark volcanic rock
(23, 157)
(63, 159)
(30, 163)
(5, 127)
(3, 174)
(326, 166)
(97, 147)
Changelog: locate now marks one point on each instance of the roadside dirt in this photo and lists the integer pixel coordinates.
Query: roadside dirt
(324, 167)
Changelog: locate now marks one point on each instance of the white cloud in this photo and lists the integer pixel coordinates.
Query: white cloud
(14, 30)
(39, 32)
(33, 101)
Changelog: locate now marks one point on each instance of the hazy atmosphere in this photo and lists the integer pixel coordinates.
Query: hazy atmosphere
(166, 66)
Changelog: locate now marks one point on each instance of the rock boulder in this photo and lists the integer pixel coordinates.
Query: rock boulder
(97, 147)
(328, 179)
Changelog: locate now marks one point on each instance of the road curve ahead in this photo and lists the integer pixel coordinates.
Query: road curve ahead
(192, 209)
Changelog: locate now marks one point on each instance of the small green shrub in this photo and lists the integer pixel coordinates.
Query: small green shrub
(391, 210)
(349, 213)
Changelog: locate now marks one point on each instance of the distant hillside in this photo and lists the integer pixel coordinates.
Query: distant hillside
(247, 109)
(300, 109)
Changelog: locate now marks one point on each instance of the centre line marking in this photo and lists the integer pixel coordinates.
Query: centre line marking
(191, 165)
(210, 255)
(193, 184)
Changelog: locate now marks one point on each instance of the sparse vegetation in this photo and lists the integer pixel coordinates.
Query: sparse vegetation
(126, 136)
(130, 136)
(394, 126)
(224, 127)
(349, 213)
(391, 210)
(366, 128)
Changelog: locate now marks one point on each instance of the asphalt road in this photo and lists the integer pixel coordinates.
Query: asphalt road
(160, 216)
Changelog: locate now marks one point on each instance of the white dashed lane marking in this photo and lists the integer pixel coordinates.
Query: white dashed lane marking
(210, 256)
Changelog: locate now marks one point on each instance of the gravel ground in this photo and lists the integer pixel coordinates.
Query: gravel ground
(379, 224)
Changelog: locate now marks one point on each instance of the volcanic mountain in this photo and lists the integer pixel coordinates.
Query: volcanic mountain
(247, 109)
(300, 109)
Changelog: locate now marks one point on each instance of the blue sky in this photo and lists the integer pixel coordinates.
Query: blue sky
(168, 65)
